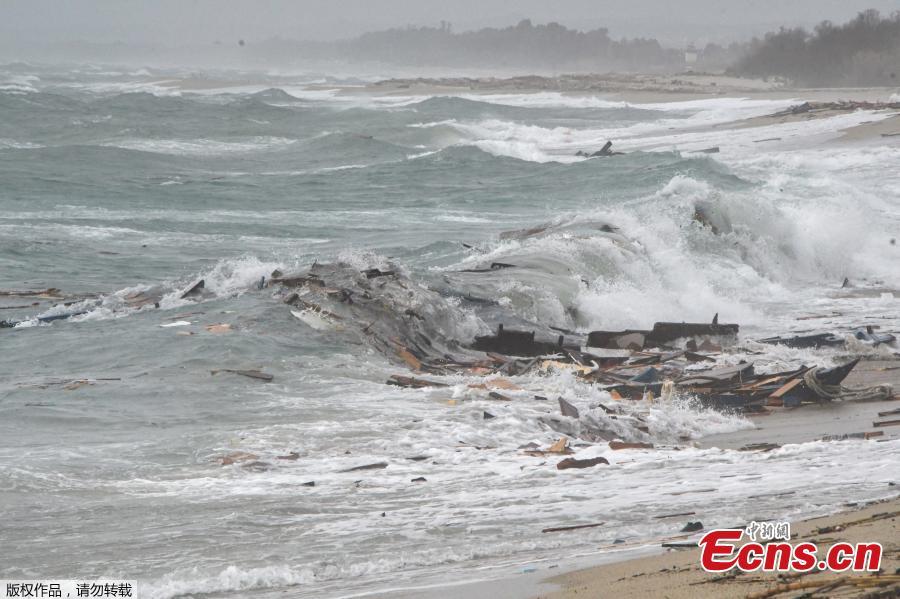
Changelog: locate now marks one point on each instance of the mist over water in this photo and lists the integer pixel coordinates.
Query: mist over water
(116, 181)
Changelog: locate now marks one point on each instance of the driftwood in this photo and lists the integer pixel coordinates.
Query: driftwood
(253, 374)
(575, 527)
(576, 463)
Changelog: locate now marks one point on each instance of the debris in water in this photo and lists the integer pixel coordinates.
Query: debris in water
(253, 374)
(576, 463)
(692, 527)
(237, 456)
(194, 290)
(375, 466)
(574, 527)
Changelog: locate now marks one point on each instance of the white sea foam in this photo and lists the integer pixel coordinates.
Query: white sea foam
(800, 219)
(691, 131)
(201, 147)
(11, 144)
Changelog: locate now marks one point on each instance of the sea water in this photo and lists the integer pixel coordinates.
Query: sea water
(116, 181)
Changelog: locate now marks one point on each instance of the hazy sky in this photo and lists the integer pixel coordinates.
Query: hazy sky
(187, 22)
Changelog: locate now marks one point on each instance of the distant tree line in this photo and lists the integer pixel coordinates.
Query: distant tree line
(864, 51)
(550, 46)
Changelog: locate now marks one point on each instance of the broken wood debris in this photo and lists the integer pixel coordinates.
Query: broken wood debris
(495, 266)
(517, 343)
(218, 329)
(568, 409)
(679, 545)
(375, 466)
(576, 463)
(561, 446)
(398, 318)
(253, 374)
(674, 515)
(840, 105)
(237, 456)
(620, 445)
(194, 290)
(661, 334)
(573, 527)
(411, 382)
(848, 436)
(603, 152)
(763, 447)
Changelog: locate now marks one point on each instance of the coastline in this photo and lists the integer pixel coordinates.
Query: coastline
(454, 490)
(677, 573)
(659, 89)
(631, 88)
(646, 568)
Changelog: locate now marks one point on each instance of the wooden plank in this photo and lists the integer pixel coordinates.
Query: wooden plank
(763, 383)
(576, 527)
(675, 515)
(786, 387)
(887, 423)
(411, 361)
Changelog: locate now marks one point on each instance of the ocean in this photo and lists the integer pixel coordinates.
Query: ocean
(118, 181)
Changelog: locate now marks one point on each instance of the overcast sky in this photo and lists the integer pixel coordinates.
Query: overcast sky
(188, 22)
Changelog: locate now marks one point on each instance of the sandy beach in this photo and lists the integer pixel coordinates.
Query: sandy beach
(650, 570)
(677, 573)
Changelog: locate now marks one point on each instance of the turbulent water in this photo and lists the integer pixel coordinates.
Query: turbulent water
(115, 182)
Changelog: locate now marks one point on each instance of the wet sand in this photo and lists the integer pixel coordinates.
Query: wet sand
(677, 574)
(812, 423)
(651, 571)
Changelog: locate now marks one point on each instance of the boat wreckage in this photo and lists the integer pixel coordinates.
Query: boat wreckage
(413, 325)
(418, 326)
(606, 150)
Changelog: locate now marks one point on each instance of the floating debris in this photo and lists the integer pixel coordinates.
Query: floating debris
(218, 329)
(576, 463)
(574, 527)
(253, 374)
(375, 466)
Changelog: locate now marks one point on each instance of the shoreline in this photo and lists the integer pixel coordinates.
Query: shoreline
(659, 89)
(677, 572)
(648, 569)
(645, 567)
(631, 88)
